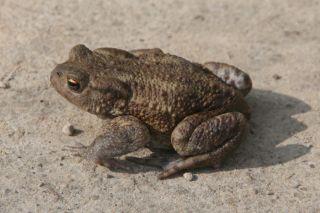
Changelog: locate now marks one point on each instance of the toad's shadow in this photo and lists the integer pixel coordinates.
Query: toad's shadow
(271, 124)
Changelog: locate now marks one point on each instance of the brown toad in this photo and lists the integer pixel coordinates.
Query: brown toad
(159, 101)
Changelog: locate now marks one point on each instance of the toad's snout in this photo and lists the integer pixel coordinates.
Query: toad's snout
(56, 74)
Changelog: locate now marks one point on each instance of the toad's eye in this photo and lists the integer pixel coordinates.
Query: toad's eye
(73, 84)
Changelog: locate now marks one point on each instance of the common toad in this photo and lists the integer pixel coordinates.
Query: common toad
(157, 100)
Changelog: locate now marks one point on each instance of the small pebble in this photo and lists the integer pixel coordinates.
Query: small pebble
(188, 176)
(297, 185)
(109, 176)
(276, 77)
(199, 17)
(7, 191)
(312, 166)
(270, 193)
(68, 129)
(3, 85)
(95, 197)
(303, 188)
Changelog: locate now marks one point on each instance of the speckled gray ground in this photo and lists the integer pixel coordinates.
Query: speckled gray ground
(275, 170)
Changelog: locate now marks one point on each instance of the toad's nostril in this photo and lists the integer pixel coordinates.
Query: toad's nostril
(59, 73)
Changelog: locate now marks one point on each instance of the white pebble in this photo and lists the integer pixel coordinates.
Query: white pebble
(3, 85)
(68, 129)
(188, 176)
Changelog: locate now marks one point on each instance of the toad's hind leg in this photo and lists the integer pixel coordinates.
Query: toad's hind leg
(206, 143)
(231, 75)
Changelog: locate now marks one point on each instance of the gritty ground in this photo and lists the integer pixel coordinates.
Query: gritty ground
(276, 42)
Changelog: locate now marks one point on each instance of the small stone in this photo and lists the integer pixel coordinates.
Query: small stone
(4, 85)
(95, 197)
(199, 17)
(109, 176)
(312, 166)
(270, 193)
(188, 176)
(297, 185)
(68, 129)
(276, 77)
(303, 188)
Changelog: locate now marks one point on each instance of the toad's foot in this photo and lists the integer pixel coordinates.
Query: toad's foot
(80, 150)
(161, 160)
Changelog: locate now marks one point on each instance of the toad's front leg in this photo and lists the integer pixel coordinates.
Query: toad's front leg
(205, 141)
(123, 135)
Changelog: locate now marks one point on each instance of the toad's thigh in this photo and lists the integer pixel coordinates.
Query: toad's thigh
(209, 134)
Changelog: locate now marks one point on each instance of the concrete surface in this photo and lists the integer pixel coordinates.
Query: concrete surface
(275, 170)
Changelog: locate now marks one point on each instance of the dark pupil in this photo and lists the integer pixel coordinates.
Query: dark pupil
(73, 84)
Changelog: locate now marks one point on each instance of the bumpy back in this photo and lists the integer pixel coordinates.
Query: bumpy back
(167, 88)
